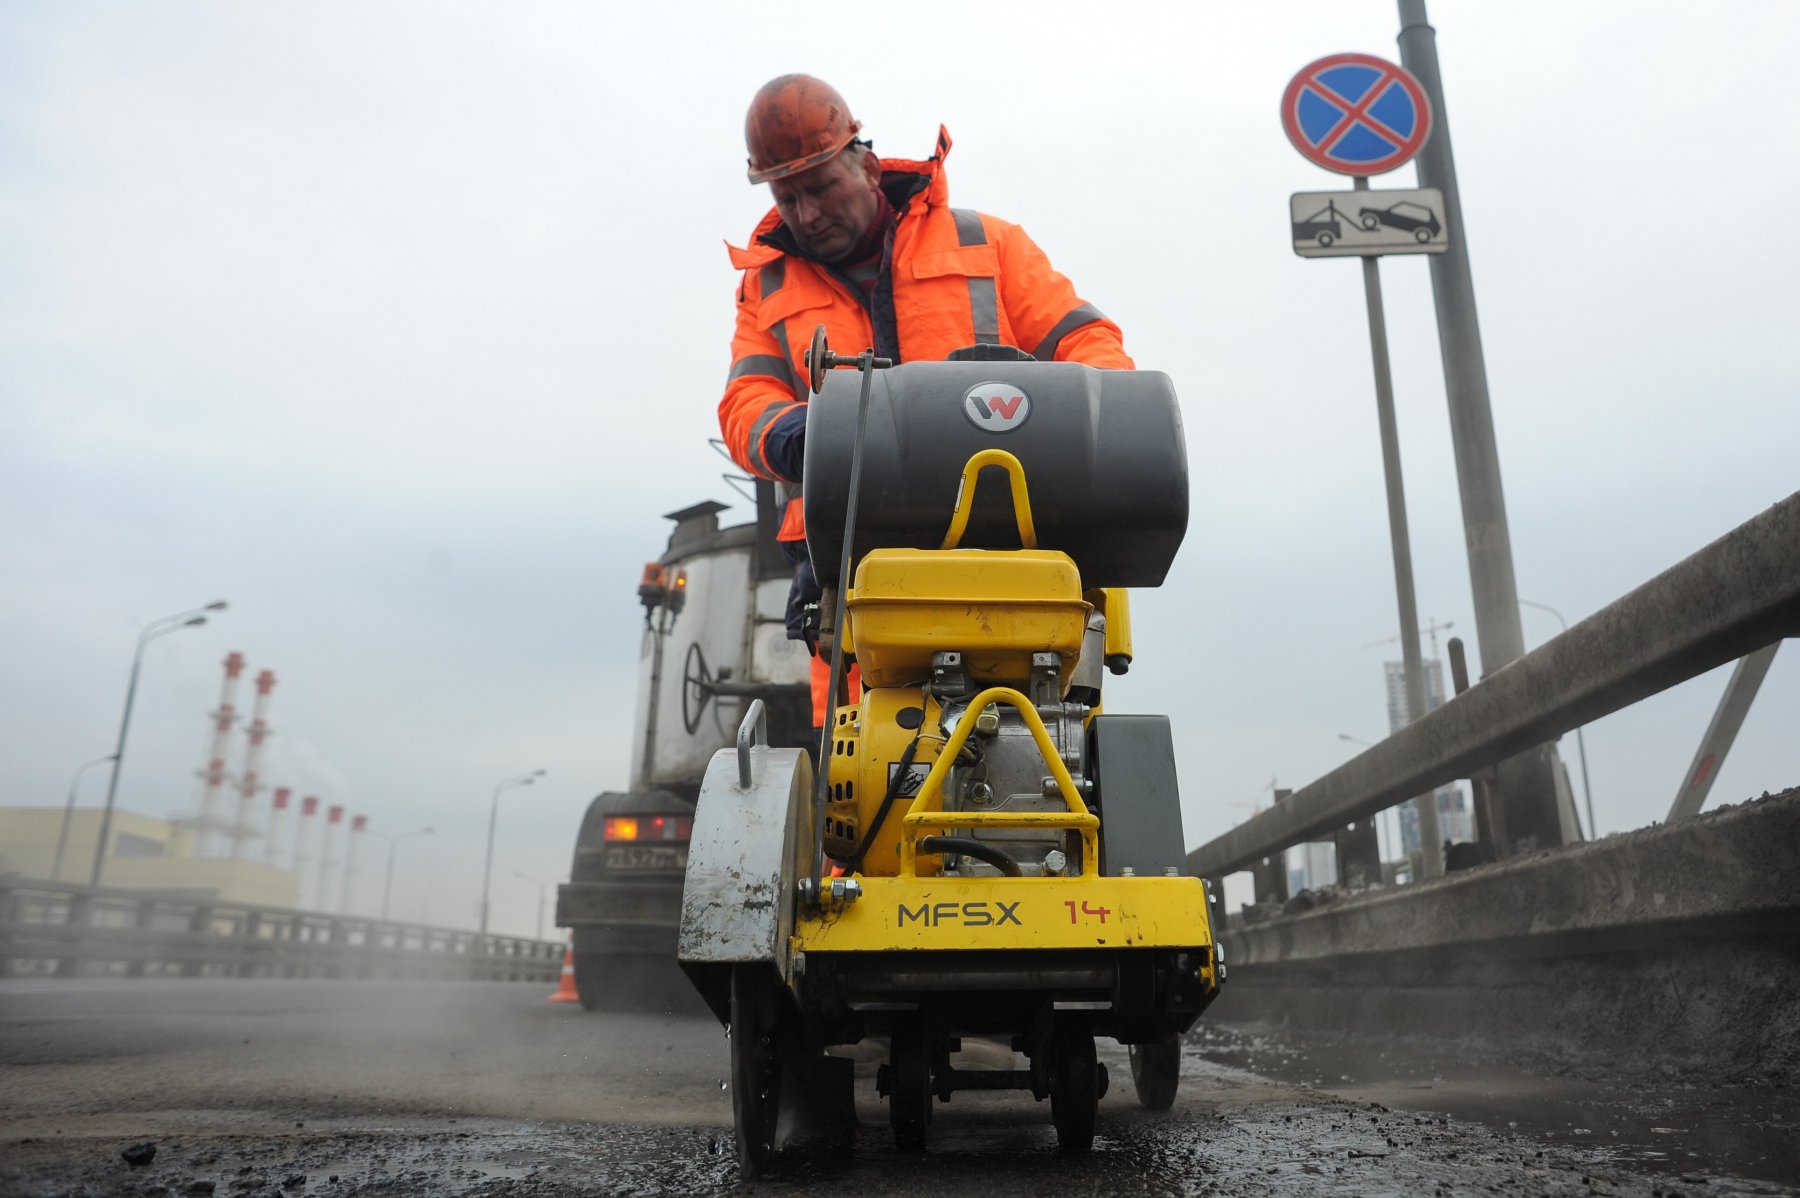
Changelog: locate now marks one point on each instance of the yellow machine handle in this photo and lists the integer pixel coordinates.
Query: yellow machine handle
(965, 497)
(927, 811)
(1118, 627)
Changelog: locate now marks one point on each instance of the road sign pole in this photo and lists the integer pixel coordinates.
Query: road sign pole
(1526, 782)
(1430, 836)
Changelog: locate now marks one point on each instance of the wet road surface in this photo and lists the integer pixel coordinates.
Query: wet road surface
(351, 1088)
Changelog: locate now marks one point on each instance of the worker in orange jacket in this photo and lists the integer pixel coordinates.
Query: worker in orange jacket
(870, 248)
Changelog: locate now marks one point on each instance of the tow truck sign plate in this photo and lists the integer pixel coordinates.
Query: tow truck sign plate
(1347, 224)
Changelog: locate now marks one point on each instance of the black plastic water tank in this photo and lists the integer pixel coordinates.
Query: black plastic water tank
(1103, 452)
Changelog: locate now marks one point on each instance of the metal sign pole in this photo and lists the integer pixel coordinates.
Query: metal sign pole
(1525, 784)
(1431, 840)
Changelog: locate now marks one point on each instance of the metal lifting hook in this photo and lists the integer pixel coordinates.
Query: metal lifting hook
(819, 359)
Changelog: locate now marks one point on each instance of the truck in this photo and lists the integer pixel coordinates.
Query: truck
(714, 640)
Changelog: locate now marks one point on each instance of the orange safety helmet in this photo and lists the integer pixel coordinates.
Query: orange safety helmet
(796, 122)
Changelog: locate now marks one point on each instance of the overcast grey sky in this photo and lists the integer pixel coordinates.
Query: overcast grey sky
(399, 325)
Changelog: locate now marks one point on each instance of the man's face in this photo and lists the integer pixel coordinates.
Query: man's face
(829, 207)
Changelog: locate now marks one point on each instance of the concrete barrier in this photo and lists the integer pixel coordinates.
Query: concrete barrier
(1677, 945)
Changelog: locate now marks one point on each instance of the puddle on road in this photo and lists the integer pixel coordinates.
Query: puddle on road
(1678, 1129)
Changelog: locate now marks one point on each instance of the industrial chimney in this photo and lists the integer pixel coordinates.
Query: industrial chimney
(243, 830)
(352, 858)
(277, 818)
(304, 840)
(214, 773)
(328, 853)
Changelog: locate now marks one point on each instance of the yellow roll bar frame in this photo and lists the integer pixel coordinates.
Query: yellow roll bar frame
(927, 810)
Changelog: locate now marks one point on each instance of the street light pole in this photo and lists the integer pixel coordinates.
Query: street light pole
(152, 630)
(62, 836)
(487, 872)
(1587, 792)
(387, 888)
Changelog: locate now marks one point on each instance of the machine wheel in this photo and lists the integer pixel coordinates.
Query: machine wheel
(825, 1095)
(1156, 1072)
(756, 1053)
(1075, 1094)
(909, 1086)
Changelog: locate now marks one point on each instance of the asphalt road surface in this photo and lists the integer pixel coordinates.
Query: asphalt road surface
(373, 1088)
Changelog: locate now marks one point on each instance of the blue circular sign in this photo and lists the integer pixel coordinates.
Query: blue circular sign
(1356, 114)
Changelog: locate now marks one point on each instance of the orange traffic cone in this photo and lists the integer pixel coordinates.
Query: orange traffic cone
(565, 990)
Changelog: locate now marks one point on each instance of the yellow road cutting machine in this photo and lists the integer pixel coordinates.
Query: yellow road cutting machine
(985, 853)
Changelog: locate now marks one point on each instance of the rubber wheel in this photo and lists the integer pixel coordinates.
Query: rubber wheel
(1075, 1094)
(909, 1086)
(756, 1052)
(1156, 1072)
(824, 1091)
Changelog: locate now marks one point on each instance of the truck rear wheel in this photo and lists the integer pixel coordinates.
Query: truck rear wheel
(590, 980)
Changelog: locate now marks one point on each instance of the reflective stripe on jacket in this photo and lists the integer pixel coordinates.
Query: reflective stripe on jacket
(959, 277)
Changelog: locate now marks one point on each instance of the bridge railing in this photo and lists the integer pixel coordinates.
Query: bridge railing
(67, 930)
(1736, 595)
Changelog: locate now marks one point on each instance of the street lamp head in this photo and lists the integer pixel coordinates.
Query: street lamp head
(195, 622)
(539, 773)
(216, 605)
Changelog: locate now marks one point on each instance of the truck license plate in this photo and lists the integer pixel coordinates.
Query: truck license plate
(644, 856)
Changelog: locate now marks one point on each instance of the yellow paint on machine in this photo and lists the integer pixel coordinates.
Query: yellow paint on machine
(938, 913)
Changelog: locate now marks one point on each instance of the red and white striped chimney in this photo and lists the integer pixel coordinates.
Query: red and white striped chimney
(214, 773)
(277, 818)
(304, 839)
(328, 854)
(352, 860)
(242, 830)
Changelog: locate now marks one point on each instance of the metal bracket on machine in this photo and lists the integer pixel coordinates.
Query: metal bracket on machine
(819, 359)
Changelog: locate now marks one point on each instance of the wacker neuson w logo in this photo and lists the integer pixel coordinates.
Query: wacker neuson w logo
(969, 915)
(996, 407)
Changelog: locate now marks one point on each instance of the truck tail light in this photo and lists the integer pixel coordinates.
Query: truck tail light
(648, 827)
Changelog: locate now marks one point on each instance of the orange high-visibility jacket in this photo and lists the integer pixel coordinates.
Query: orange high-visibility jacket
(960, 278)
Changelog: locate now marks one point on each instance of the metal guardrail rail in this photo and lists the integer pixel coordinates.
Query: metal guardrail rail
(68, 931)
(1735, 596)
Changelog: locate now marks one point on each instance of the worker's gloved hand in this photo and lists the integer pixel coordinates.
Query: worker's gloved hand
(784, 448)
(803, 600)
(810, 621)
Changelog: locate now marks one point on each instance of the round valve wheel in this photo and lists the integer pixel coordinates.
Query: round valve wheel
(816, 357)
